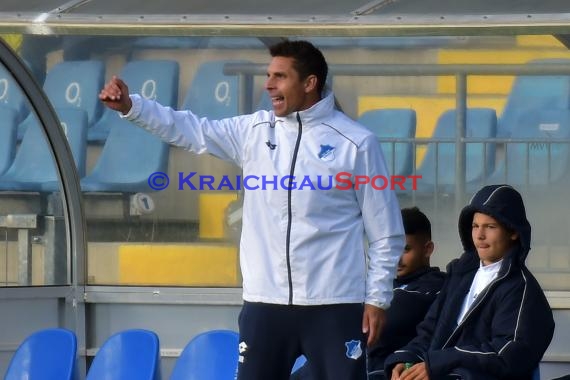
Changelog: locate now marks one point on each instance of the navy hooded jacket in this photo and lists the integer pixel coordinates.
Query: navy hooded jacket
(413, 295)
(509, 326)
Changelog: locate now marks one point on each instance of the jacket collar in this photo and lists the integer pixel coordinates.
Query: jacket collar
(313, 115)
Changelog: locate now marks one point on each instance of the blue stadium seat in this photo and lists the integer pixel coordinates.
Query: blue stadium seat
(45, 354)
(212, 355)
(33, 168)
(439, 161)
(213, 94)
(534, 92)
(536, 163)
(152, 79)
(76, 84)
(8, 125)
(393, 124)
(127, 355)
(130, 155)
(73, 84)
(11, 95)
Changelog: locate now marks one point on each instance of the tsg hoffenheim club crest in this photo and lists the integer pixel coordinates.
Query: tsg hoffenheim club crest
(353, 349)
(326, 153)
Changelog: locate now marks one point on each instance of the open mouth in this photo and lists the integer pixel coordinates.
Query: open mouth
(277, 100)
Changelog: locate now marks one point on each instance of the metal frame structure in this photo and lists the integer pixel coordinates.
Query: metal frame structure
(70, 297)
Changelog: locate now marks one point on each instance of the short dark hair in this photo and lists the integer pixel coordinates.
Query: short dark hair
(308, 59)
(416, 222)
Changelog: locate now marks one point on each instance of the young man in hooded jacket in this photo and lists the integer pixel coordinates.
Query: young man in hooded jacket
(491, 320)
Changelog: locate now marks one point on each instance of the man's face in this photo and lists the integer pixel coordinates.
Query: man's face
(491, 239)
(288, 93)
(416, 254)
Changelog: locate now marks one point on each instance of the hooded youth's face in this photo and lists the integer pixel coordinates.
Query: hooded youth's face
(491, 239)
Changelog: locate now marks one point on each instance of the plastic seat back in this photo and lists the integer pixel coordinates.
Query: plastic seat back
(479, 156)
(127, 355)
(8, 126)
(76, 84)
(44, 355)
(534, 92)
(215, 95)
(130, 155)
(537, 162)
(212, 355)
(73, 84)
(393, 124)
(152, 79)
(34, 166)
(11, 95)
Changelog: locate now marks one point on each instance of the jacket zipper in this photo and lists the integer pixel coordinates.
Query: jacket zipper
(290, 210)
(477, 305)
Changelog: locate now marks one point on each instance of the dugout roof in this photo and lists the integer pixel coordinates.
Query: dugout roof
(286, 18)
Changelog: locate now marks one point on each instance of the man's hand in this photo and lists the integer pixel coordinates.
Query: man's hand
(417, 372)
(373, 322)
(397, 371)
(115, 95)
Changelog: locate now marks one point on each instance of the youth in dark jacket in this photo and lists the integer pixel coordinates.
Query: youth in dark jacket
(413, 295)
(415, 288)
(505, 327)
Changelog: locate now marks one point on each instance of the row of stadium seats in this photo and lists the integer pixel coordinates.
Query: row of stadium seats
(119, 167)
(51, 354)
(76, 84)
(536, 153)
(526, 92)
(215, 95)
(128, 354)
(72, 87)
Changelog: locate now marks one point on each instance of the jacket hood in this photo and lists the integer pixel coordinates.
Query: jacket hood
(503, 203)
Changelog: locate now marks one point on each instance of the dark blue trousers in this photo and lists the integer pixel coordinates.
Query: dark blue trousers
(273, 336)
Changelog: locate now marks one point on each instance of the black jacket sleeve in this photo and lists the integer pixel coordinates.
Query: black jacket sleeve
(414, 351)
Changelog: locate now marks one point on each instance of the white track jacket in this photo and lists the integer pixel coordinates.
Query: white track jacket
(302, 243)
